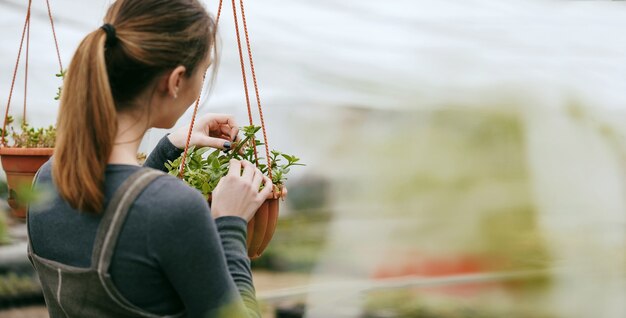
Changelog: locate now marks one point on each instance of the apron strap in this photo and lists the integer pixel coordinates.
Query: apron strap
(115, 215)
(30, 243)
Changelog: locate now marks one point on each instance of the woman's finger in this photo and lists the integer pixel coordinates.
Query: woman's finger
(234, 168)
(258, 179)
(218, 143)
(234, 133)
(225, 129)
(230, 131)
(248, 170)
(267, 187)
(222, 119)
(216, 122)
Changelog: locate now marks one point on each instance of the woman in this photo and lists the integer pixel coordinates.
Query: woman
(119, 240)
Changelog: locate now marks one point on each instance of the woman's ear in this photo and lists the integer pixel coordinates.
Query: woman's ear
(174, 81)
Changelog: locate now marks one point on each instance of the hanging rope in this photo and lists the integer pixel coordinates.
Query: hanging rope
(256, 90)
(26, 36)
(193, 121)
(181, 172)
(54, 34)
(26, 70)
(219, 12)
(245, 85)
(17, 63)
(245, 79)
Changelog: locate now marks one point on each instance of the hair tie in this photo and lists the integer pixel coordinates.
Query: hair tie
(111, 35)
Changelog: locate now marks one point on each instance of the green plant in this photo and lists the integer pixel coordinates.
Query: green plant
(4, 229)
(62, 76)
(203, 171)
(29, 137)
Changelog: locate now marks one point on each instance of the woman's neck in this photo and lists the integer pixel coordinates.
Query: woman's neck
(130, 132)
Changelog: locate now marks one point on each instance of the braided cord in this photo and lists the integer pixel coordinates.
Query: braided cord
(54, 34)
(245, 86)
(245, 79)
(256, 90)
(193, 121)
(17, 63)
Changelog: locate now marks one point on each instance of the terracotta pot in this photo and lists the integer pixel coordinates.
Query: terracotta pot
(20, 166)
(262, 226)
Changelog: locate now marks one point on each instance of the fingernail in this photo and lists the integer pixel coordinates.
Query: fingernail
(227, 145)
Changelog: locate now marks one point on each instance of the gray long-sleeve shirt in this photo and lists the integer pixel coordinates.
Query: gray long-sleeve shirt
(171, 254)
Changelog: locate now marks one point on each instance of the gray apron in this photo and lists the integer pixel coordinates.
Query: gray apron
(89, 292)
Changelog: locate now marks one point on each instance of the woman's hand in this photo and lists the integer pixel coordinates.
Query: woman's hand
(211, 130)
(237, 193)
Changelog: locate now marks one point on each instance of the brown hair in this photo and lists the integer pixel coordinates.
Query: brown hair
(153, 36)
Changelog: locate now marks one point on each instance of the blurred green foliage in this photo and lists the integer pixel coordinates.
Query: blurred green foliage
(4, 235)
(297, 242)
(12, 284)
(406, 304)
(452, 188)
(462, 171)
(463, 174)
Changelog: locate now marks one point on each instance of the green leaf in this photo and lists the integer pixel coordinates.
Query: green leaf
(202, 151)
(206, 188)
(214, 155)
(216, 164)
(61, 74)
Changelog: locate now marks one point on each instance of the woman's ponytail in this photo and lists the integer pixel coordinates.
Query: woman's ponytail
(86, 127)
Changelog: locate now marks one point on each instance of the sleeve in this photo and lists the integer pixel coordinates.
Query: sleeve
(204, 260)
(232, 231)
(163, 152)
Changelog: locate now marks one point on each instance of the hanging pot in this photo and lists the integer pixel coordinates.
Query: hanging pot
(262, 226)
(20, 166)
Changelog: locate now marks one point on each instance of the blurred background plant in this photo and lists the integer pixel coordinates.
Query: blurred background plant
(17, 290)
(436, 194)
(4, 235)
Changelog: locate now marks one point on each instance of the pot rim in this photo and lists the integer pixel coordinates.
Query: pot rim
(23, 151)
